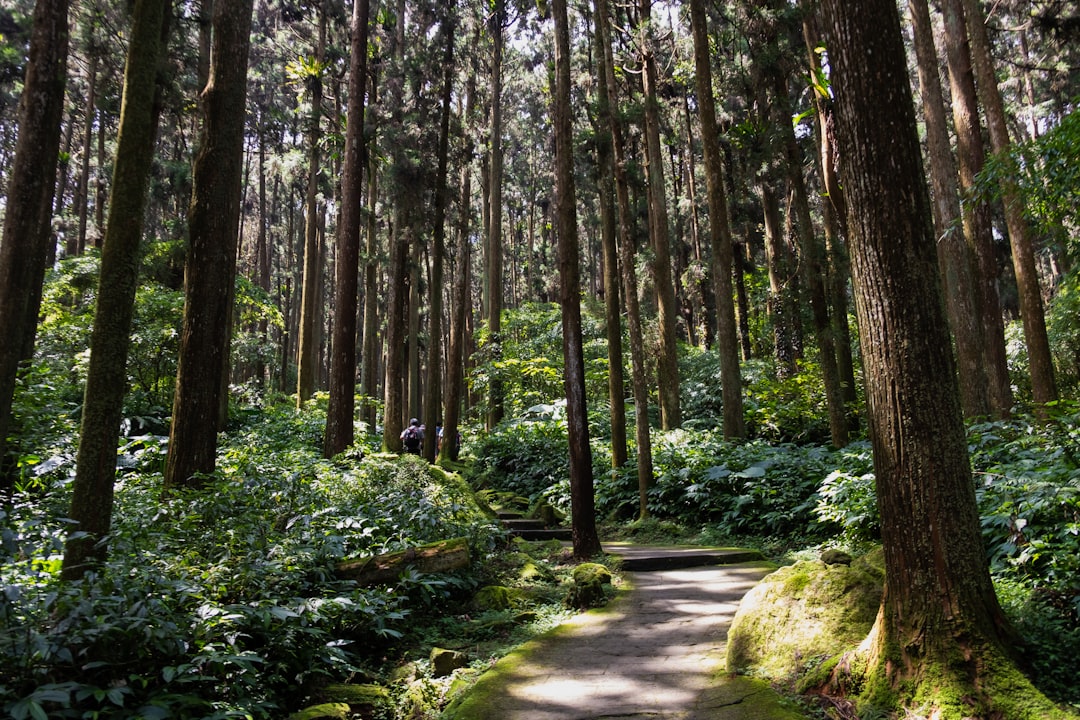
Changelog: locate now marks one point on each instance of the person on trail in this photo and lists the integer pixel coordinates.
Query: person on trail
(412, 437)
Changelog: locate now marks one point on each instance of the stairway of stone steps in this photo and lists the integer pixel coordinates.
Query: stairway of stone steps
(529, 529)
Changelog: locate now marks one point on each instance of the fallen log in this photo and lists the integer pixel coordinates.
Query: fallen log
(442, 556)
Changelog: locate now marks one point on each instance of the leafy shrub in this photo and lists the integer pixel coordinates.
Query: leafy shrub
(221, 602)
(790, 410)
(524, 458)
(847, 498)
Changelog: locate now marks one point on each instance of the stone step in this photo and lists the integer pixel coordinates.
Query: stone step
(508, 515)
(541, 535)
(523, 524)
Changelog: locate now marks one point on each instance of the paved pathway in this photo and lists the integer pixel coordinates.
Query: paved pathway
(657, 652)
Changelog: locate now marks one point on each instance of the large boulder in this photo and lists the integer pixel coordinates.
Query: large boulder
(803, 614)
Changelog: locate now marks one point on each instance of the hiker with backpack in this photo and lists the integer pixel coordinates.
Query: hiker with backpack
(412, 437)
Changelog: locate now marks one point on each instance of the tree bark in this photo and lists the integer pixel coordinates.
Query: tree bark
(1040, 361)
(642, 437)
(95, 465)
(494, 250)
(307, 351)
(404, 183)
(608, 230)
(722, 264)
(28, 212)
(582, 502)
(780, 285)
(433, 390)
(371, 354)
(385, 569)
(954, 254)
(940, 632)
(668, 352)
(213, 219)
(341, 411)
(978, 231)
(813, 263)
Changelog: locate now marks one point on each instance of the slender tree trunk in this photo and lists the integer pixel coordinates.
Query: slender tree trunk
(307, 353)
(586, 541)
(719, 231)
(95, 465)
(1040, 362)
(814, 266)
(940, 634)
(612, 296)
(494, 251)
(776, 253)
(28, 205)
(369, 373)
(978, 230)
(82, 192)
(954, 254)
(642, 437)
(213, 220)
(433, 390)
(342, 404)
(404, 182)
(833, 221)
(668, 354)
(455, 361)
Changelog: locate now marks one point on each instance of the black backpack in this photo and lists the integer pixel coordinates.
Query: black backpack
(412, 437)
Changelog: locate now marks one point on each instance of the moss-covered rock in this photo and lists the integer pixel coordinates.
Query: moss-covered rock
(444, 662)
(358, 697)
(587, 587)
(803, 614)
(495, 597)
(325, 711)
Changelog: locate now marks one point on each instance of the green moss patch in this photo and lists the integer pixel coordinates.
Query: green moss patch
(803, 614)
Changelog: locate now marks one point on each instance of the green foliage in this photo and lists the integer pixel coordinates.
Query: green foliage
(1052, 634)
(523, 458)
(221, 602)
(1047, 173)
(1063, 332)
(848, 498)
(793, 409)
(528, 359)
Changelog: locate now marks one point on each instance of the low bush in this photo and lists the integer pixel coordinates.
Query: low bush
(221, 602)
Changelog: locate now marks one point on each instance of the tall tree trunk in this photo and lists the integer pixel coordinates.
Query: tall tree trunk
(369, 370)
(612, 296)
(978, 230)
(404, 181)
(209, 275)
(719, 231)
(1040, 362)
(95, 465)
(814, 264)
(583, 509)
(28, 212)
(954, 254)
(668, 352)
(342, 404)
(77, 245)
(455, 360)
(776, 253)
(307, 351)
(494, 250)
(433, 390)
(940, 633)
(639, 375)
(833, 221)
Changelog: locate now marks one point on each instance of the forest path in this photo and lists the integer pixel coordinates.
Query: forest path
(657, 651)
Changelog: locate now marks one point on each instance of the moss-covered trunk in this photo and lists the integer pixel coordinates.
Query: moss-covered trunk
(940, 643)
